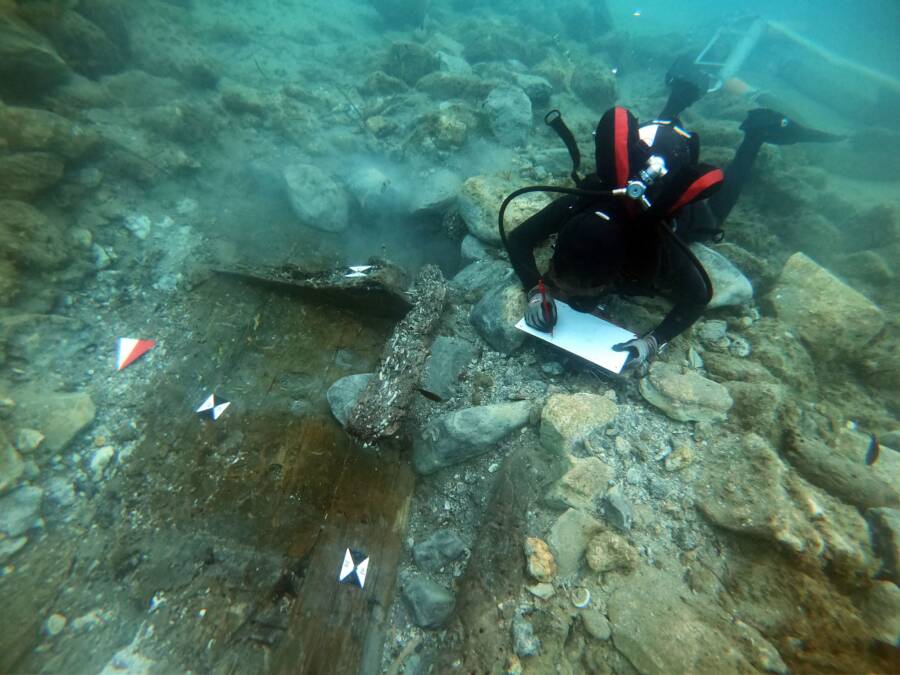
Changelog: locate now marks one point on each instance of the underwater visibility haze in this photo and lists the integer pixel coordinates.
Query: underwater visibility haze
(278, 392)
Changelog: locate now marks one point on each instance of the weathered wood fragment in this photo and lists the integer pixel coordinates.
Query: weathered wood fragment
(388, 395)
(380, 291)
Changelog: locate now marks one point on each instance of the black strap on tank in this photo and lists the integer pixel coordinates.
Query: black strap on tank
(605, 194)
(554, 120)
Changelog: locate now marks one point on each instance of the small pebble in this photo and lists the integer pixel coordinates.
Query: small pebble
(54, 625)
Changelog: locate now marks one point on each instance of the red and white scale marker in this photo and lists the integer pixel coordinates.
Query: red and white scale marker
(129, 350)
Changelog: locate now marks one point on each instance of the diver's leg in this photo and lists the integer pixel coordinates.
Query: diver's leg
(736, 174)
(687, 83)
(761, 126)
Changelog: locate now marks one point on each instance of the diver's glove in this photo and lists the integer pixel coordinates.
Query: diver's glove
(540, 313)
(773, 127)
(641, 352)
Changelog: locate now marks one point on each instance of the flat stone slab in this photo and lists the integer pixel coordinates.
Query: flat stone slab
(685, 396)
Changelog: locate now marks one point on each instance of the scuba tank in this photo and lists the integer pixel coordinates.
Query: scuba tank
(652, 188)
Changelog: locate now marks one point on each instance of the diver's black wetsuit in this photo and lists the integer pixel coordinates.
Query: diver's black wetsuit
(652, 265)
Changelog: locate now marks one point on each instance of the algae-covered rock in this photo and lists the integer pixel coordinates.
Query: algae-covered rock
(539, 560)
(409, 61)
(494, 317)
(29, 130)
(608, 552)
(834, 320)
(580, 485)
(881, 607)
(29, 239)
(29, 65)
(685, 396)
(317, 199)
(780, 351)
(24, 175)
(662, 629)
(568, 418)
(83, 45)
(595, 84)
(852, 482)
(885, 524)
(757, 407)
(480, 200)
(743, 489)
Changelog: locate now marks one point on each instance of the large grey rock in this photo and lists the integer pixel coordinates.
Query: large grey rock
(467, 433)
(885, 524)
(449, 358)
(317, 199)
(834, 320)
(569, 537)
(537, 88)
(19, 510)
(495, 316)
(479, 202)
(661, 629)
(481, 276)
(685, 396)
(473, 249)
(429, 603)
(509, 114)
(344, 393)
(730, 287)
(437, 191)
(442, 547)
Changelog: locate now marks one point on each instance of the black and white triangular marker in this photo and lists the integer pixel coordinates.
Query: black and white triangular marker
(358, 271)
(354, 568)
(213, 407)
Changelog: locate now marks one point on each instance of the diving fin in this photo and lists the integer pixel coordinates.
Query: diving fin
(777, 129)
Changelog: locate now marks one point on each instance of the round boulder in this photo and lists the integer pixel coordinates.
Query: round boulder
(317, 199)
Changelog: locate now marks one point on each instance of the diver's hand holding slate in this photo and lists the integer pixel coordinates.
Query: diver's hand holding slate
(641, 352)
(540, 313)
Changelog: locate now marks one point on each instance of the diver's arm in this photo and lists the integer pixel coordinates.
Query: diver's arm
(687, 289)
(522, 241)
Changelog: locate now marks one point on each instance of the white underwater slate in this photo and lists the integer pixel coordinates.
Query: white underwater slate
(585, 335)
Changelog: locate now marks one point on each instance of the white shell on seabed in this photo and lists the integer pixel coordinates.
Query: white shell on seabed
(581, 597)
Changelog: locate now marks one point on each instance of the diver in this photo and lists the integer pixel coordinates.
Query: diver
(625, 229)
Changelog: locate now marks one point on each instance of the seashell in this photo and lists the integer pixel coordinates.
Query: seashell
(583, 602)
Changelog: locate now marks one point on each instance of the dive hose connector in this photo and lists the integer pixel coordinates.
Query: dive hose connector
(636, 189)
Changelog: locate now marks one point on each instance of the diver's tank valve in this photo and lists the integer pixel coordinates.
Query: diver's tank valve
(637, 189)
